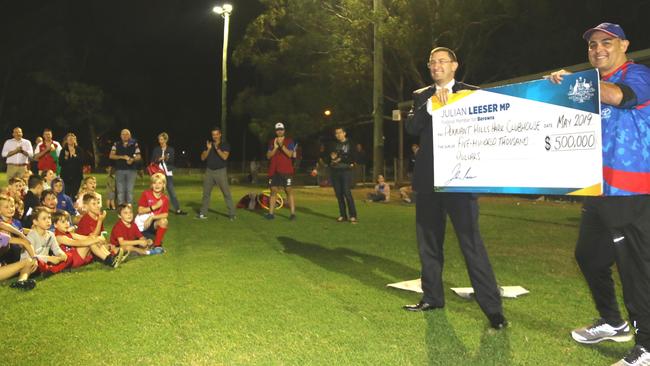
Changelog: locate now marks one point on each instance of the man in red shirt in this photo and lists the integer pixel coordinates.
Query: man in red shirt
(47, 153)
(281, 151)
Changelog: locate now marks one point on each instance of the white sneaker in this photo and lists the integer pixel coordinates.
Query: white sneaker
(601, 331)
(638, 356)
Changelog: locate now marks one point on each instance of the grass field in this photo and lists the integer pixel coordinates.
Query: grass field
(311, 291)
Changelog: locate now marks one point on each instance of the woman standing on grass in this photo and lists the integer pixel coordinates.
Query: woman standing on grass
(71, 163)
(164, 155)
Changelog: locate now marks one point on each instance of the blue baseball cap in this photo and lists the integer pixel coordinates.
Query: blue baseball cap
(612, 29)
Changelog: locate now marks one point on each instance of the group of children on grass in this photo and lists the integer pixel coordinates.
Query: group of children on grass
(43, 231)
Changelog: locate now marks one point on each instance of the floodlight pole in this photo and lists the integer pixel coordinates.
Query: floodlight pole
(224, 10)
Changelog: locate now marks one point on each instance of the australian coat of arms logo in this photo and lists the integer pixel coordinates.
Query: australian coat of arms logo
(582, 91)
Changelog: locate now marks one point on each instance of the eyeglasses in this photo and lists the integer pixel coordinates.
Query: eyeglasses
(436, 62)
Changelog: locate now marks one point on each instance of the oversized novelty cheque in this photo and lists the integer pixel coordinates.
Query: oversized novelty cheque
(528, 138)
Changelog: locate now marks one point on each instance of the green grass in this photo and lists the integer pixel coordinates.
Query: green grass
(309, 292)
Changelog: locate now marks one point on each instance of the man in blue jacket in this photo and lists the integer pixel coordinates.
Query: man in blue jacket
(615, 228)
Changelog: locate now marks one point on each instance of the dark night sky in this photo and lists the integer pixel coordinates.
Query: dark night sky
(160, 60)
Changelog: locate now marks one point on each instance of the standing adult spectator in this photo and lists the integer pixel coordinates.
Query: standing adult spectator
(341, 162)
(216, 155)
(33, 163)
(414, 152)
(71, 162)
(280, 153)
(164, 155)
(615, 228)
(47, 153)
(432, 208)
(17, 152)
(126, 153)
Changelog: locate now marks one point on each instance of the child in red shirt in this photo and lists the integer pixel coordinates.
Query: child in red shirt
(80, 248)
(126, 235)
(153, 209)
(92, 221)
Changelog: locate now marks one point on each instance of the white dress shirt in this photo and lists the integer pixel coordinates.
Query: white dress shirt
(19, 158)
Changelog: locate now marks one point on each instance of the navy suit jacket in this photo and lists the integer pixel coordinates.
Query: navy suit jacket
(418, 123)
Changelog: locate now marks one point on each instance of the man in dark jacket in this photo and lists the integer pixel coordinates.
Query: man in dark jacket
(432, 208)
(341, 161)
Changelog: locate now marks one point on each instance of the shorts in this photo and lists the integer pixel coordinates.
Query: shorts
(76, 260)
(150, 233)
(110, 195)
(44, 267)
(280, 180)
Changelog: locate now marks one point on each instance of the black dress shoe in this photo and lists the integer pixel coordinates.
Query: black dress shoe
(421, 306)
(498, 321)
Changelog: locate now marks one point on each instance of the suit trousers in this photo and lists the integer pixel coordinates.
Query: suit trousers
(431, 218)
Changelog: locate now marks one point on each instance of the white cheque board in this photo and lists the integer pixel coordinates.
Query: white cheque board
(529, 138)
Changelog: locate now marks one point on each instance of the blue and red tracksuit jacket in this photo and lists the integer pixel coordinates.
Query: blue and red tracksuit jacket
(626, 134)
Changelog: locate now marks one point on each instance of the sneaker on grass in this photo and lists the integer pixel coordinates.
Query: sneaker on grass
(638, 356)
(601, 331)
(156, 250)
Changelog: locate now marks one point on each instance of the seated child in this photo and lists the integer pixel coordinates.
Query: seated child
(48, 200)
(153, 209)
(32, 199)
(64, 202)
(18, 242)
(88, 185)
(407, 194)
(23, 267)
(16, 188)
(382, 191)
(81, 248)
(44, 242)
(125, 234)
(91, 222)
(48, 176)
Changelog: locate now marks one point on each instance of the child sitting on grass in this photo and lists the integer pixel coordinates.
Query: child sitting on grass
(48, 176)
(88, 185)
(16, 188)
(44, 242)
(381, 192)
(48, 200)
(32, 199)
(81, 248)
(125, 234)
(63, 201)
(91, 222)
(12, 243)
(17, 241)
(153, 209)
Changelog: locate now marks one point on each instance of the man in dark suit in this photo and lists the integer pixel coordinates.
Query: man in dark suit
(432, 207)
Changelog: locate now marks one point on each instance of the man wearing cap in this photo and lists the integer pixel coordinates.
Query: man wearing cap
(280, 153)
(17, 151)
(432, 208)
(216, 155)
(615, 228)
